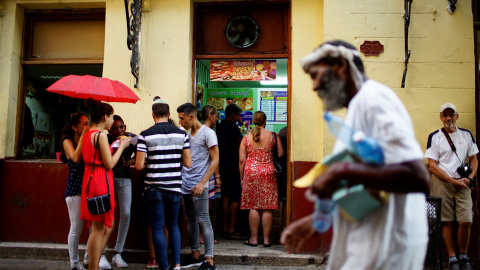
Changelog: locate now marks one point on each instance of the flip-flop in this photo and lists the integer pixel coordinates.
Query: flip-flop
(267, 245)
(250, 244)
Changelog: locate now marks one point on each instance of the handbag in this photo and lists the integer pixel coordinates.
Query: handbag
(276, 161)
(100, 204)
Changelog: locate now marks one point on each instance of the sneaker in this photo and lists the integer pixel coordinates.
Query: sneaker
(118, 261)
(103, 264)
(152, 263)
(80, 267)
(465, 264)
(191, 262)
(174, 268)
(207, 266)
(453, 265)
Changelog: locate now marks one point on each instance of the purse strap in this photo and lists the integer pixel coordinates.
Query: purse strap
(275, 150)
(454, 149)
(93, 165)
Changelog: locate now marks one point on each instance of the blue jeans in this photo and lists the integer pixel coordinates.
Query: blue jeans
(162, 203)
(196, 211)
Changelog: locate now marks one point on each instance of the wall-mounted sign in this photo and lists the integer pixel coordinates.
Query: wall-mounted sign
(243, 70)
(220, 98)
(273, 103)
(371, 48)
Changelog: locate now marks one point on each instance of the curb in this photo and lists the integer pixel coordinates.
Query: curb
(237, 255)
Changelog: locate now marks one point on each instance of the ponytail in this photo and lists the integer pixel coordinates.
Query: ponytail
(259, 119)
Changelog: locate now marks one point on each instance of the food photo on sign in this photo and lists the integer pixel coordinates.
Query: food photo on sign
(243, 70)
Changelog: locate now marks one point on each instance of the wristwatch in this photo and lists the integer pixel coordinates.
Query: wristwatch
(472, 182)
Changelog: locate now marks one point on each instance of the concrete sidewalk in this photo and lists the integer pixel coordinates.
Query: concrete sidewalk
(229, 252)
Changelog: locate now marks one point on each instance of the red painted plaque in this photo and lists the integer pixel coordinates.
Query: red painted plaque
(369, 48)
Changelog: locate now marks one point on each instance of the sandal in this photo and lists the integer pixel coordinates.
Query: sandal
(267, 245)
(250, 244)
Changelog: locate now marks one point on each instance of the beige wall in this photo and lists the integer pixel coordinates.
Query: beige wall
(166, 59)
(442, 60)
(10, 45)
(306, 114)
(442, 63)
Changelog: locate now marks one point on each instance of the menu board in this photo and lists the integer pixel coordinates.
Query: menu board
(274, 104)
(243, 70)
(220, 98)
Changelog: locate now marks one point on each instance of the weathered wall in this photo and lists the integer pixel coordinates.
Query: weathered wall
(442, 63)
(306, 114)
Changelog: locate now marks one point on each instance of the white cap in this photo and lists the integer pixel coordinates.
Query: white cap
(160, 101)
(448, 105)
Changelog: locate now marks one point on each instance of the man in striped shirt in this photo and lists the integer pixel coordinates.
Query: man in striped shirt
(166, 149)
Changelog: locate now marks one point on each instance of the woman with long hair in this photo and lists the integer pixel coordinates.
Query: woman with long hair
(259, 181)
(101, 115)
(71, 153)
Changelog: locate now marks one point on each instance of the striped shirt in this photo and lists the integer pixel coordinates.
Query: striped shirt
(163, 143)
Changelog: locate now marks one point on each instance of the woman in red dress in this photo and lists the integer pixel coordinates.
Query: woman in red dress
(102, 225)
(259, 180)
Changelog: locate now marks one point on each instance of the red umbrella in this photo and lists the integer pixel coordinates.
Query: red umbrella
(97, 88)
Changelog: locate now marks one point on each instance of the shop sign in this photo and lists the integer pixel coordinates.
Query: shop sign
(220, 98)
(243, 70)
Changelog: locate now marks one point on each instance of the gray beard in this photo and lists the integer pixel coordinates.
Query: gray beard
(332, 92)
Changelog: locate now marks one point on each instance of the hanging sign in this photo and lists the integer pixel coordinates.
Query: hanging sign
(243, 70)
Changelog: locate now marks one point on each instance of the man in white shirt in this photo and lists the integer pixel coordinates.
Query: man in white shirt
(447, 150)
(396, 236)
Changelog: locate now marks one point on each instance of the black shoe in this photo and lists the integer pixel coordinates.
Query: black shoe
(465, 264)
(453, 265)
(207, 266)
(191, 262)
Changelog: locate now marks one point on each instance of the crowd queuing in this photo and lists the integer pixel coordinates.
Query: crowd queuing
(193, 166)
(178, 167)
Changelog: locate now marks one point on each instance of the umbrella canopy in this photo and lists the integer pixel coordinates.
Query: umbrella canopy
(87, 86)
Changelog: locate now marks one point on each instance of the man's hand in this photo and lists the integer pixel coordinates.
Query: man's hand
(198, 189)
(461, 183)
(327, 182)
(296, 233)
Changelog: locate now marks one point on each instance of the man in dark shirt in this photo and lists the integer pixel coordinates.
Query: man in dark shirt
(122, 178)
(229, 138)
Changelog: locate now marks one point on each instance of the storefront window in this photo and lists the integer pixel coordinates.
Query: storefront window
(46, 113)
(57, 43)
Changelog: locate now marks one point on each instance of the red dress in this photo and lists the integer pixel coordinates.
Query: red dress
(98, 186)
(259, 185)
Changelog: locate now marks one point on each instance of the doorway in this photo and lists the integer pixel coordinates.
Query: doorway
(241, 55)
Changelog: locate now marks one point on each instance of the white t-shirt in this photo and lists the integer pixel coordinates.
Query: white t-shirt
(200, 145)
(396, 236)
(439, 150)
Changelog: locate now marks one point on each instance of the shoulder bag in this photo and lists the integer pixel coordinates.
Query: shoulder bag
(100, 204)
(276, 161)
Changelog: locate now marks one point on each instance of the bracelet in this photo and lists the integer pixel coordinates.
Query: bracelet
(217, 176)
(472, 182)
